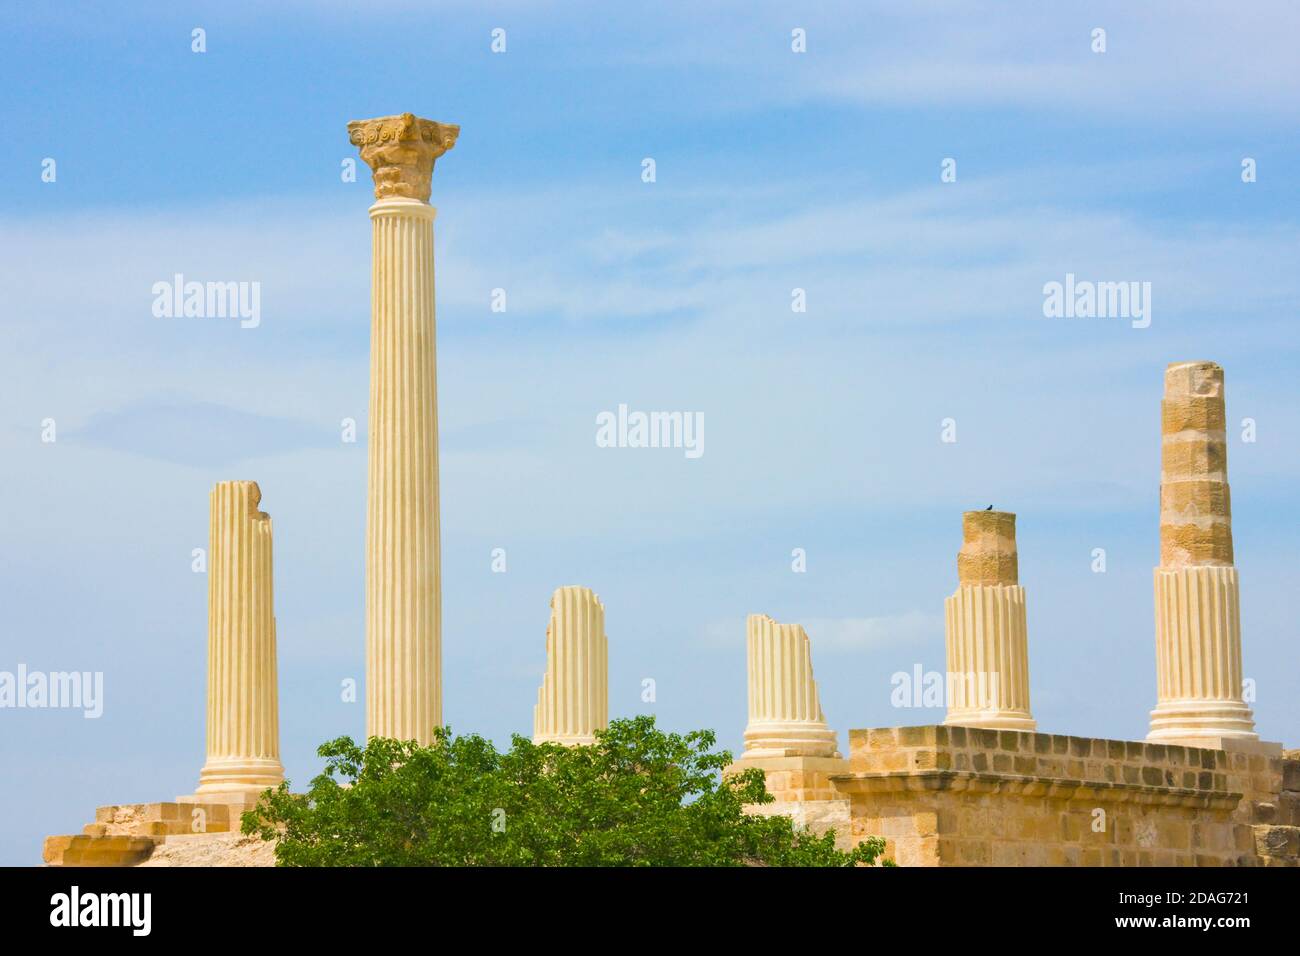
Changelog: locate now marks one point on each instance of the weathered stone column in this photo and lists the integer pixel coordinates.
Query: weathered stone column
(243, 704)
(785, 713)
(573, 701)
(1198, 618)
(403, 571)
(787, 736)
(988, 649)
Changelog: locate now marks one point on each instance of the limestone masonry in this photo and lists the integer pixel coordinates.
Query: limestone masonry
(1198, 615)
(988, 648)
(981, 789)
(957, 796)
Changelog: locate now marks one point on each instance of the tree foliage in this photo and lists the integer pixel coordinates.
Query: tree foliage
(637, 797)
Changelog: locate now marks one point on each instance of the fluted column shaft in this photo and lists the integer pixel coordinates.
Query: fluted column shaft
(573, 701)
(785, 714)
(1198, 615)
(985, 629)
(243, 728)
(403, 569)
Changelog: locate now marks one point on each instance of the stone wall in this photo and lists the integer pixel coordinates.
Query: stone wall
(953, 796)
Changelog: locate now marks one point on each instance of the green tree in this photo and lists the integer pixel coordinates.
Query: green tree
(637, 797)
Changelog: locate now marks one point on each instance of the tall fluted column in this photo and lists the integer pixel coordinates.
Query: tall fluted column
(403, 570)
(243, 706)
(573, 701)
(785, 713)
(1198, 618)
(988, 647)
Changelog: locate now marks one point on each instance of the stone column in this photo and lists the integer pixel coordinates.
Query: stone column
(403, 573)
(988, 651)
(785, 713)
(1198, 620)
(573, 701)
(787, 736)
(243, 706)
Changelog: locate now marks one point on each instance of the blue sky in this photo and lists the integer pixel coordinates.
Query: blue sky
(775, 170)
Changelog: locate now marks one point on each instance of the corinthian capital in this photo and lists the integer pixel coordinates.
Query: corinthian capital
(400, 151)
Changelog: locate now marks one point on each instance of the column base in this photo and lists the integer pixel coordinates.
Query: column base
(223, 778)
(1210, 720)
(238, 800)
(993, 720)
(780, 738)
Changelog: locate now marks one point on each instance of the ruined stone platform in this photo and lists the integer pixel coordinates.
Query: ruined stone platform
(130, 834)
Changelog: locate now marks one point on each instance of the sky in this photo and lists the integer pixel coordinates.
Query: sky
(774, 170)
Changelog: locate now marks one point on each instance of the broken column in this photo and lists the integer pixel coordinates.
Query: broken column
(785, 713)
(573, 701)
(1198, 625)
(787, 736)
(988, 652)
(403, 570)
(243, 706)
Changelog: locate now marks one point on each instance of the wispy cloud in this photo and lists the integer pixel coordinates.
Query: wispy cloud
(835, 635)
(909, 296)
(201, 434)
